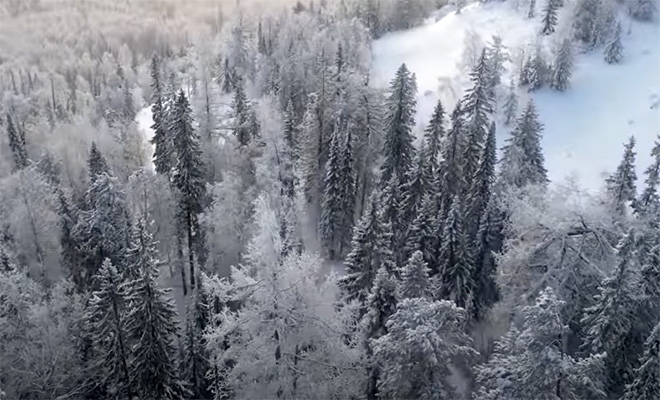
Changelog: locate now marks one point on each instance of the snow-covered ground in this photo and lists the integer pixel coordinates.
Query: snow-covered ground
(585, 126)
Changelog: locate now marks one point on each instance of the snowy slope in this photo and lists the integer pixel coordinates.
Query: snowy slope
(584, 127)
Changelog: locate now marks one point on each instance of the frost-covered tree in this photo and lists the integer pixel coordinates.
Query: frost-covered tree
(452, 179)
(585, 26)
(648, 202)
(398, 151)
(562, 69)
(532, 9)
(621, 185)
(421, 235)
(537, 70)
(497, 56)
(415, 278)
(510, 108)
(522, 161)
(454, 258)
(434, 134)
(646, 383)
(16, 140)
(534, 364)
(614, 48)
(550, 16)
(424, 338)
(163, 146)
(610, 322)
(480, 191)
(195, 363)
(242, 113)
(105, 317)
(96, 163)
(188, 178)
(103, 229)
(486, 244)
(151, 325)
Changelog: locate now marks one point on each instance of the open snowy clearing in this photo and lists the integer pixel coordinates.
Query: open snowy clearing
(585, 126)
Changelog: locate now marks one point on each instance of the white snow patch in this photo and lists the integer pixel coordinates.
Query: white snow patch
(585, 126)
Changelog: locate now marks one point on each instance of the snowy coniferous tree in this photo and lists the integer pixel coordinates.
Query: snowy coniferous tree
(522, 161)
(649, 201)
(650, 281)
(362, 262)
(105, 316)
(585, 23)
(534, 365)
(241, 112)
(188, 177)
(421, 234)
(477, 105)
(348, 201)
(413, 189)
(510, 108)
(614, 48)
(103, 229)
(481, 183)
(646, 383)
(17, 145)
(69, 246)
(488, 241)
(415, 278)
(161, 140)
(96, 163)
(497, 55)
(538, 71)
(398, 151)
(452, 179)
(391, 201)
(550, 16)
(151, 325)
(456, 265)
(228, 77)
(195, 364)
(433, 136)
(610, 322)
(532, 9)
(621, 184)
(563, 66)
(423, 339)
(643, 10)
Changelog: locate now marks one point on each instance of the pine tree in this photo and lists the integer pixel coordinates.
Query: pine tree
(415, 278)
(96, 163)
(227, 76)
(614, 48)
(648, 203)
(510, 108)
(69, 246)
(611, 320)
(151, 324)
(480, 190)
(456, 265)
(563, 67)
(425, 337)
(522, 161)
(526, 71)
(195, 362)
(650, 281)
(621, 184)
(586, 22)
(532, 9)
(550, 16)
(161, 140)
(488, 241)
(330, 223)
(646, 384)
(102, 230)
(413, 190)
(17, 145)
(241, 112)
(452, 180)
(477, 105)
(433, 136)
(391, 201)
(422, 232)
(188, 177)
(538, 71)
(398, 151)
(127, 106)
(105, 317)
(496, 54)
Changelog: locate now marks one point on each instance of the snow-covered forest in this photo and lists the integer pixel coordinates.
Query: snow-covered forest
(344, 199)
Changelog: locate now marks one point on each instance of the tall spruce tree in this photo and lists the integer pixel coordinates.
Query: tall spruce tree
(522, 161)
(103, 228)
(489, 240)
(610, 322)
(648, 203)
(398, 151)
(195, 362)
(621, 186)
(456, 265)
(614, 48)
(477, 105)
(163, 157)
(480, 190)
(563, 66)
(415, 278)
(510, 107)
(241, 112)
(550, 16)
(646, 383)
(189, 177)
(16, 145)
(452, 179)
(105, 317)
(96, 163)
(433, 137)
(69, 246)
(422, 232)
(151, 325)
(497, 56)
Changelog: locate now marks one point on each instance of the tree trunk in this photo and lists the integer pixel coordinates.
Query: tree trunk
(191, 253)
(179, 252)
